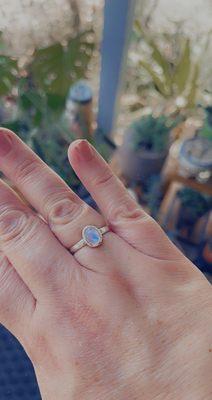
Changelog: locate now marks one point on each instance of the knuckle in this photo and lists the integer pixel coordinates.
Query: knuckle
(127, 211)
(104, 179)
(26, 168)
(65, 210)
(14, 224)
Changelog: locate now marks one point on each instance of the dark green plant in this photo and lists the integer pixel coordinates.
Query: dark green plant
(48, 76)
(151, 133)
(52, 69)
(51, 144)
(154, 194)
(195, 202)
(55, 68)
(206, 130)
(208, 111)
(8, 71)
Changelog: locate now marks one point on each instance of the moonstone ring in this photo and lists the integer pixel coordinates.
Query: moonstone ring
(91, 236)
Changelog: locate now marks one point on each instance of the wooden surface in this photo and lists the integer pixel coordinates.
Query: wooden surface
(171, 173)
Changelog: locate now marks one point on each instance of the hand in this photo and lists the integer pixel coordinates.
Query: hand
(128, 320)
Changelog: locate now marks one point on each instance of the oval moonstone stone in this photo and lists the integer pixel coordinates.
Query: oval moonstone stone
(92, 236)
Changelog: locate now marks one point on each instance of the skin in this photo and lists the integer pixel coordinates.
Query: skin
(130, 319)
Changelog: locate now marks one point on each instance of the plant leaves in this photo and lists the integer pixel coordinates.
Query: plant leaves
(160, 85)
(191, 97)
(8, 71)
(56, 67)
(157, 55)
(8, 74)
(1, 43)
(183, 69)
(162, 62)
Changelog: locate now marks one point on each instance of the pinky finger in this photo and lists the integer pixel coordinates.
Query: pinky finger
(16, 301)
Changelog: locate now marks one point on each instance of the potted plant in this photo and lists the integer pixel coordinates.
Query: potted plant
(206, 130)
(195, 154)
(145, 147)
(193, 205)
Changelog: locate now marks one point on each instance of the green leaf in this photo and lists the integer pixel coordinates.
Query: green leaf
(8, 71)
(55, 103)
(206, 131)
(157, 55)
(160, 85)
(183, 69)
(1, 43)
(31, 102)
(8, 74)
(56, 67)
(191, 97)
(160, 59)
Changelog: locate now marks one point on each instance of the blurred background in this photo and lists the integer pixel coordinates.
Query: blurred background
(133, 77)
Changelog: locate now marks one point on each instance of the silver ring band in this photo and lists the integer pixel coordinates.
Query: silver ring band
(91, 237)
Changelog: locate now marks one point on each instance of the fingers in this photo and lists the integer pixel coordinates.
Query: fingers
(64, 211)
(124, 215)
(39, 258)
(17, 303)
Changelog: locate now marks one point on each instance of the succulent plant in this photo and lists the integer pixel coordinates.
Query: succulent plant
(152, 133)
(197, 204)
(206, 130)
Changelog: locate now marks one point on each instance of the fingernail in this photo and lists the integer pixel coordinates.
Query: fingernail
(5, 143)
(84, 150)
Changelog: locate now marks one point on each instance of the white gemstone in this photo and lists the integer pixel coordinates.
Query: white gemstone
(92, 236)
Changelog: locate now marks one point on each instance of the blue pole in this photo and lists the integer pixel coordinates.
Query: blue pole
(118, 17)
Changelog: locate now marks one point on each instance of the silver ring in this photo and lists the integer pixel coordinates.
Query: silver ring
(91, 236)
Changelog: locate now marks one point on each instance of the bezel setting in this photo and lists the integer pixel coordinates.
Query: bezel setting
(89, 243)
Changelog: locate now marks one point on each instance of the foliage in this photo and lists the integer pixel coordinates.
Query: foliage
(8, 72)
(152, 133)
(208, 111)
(55, 68)
(206, 130)
(172, 77)
(49, 74)
(42, 87)
(197, 204)
(154, 194)
(51, 144)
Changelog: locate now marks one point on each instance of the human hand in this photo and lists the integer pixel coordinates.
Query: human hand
(130, 319)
